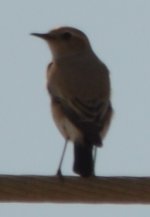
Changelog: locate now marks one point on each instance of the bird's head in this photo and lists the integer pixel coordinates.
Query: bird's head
(65, 41)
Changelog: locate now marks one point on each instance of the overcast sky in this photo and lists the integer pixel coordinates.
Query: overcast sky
(29, 141)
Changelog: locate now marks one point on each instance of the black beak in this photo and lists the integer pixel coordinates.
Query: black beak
(45, 36)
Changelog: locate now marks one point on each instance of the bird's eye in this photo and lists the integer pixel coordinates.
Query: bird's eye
(66, 36)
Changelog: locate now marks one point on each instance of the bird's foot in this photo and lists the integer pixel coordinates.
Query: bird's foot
(59, 174)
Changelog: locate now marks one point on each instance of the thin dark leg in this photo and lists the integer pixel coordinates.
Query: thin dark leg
(94, 159)
(61, 160)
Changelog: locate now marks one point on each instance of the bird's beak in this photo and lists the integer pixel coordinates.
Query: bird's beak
(45, 36)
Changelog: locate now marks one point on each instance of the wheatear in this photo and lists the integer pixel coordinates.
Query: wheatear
(79, 86)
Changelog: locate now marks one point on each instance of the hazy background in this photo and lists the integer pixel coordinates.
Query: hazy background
(29, 141)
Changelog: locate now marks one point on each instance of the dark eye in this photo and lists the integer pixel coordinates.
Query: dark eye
(66, 36)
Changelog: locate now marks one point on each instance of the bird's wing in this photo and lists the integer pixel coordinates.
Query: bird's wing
(86, 115)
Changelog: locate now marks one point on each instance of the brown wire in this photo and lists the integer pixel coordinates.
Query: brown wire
(74, 189)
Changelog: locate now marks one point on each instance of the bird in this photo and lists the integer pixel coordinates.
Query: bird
(78, 83)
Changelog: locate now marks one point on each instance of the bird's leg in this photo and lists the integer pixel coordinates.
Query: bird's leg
(94, 159)
(61, 160)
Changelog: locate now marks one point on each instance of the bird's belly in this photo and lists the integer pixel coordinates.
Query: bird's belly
(66, 128)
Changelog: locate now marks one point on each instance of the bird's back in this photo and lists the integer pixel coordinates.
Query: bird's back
(83, 77)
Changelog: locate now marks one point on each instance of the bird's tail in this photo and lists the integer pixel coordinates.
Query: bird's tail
(83, 159)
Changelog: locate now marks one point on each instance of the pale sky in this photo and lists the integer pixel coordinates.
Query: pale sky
(29, 141)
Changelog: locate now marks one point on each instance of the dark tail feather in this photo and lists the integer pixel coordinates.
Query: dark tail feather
(83, 160)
